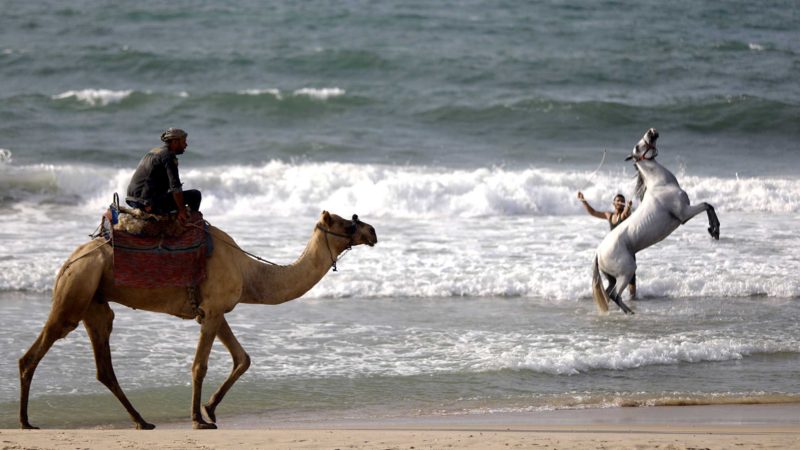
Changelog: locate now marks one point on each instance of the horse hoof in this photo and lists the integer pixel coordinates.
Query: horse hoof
(27, 426)
(145, 426)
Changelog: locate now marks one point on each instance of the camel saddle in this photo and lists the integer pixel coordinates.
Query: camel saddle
(153, 251)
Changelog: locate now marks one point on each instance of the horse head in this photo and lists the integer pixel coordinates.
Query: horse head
(355, 230)
(646, 147)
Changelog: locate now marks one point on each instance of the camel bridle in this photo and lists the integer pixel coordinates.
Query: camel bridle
(350, 231)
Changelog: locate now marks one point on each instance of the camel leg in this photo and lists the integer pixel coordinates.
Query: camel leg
(241, 362)
(53, 330)
(98, 323)
(69, 305)
(208, 331)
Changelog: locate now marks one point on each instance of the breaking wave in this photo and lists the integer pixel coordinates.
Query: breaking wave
(290, 188)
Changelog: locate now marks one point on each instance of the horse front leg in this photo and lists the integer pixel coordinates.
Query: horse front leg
(688, 212)
(713, 222)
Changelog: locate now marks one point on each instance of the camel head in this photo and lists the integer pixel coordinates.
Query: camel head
(356, 231)
(646, 147)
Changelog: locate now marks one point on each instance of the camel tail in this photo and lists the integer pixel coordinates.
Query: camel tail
(598, 293)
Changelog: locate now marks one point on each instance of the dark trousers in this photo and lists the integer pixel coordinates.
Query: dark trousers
(166, 203)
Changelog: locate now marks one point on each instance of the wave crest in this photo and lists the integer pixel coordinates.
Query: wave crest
(286, 189)
(95, 97)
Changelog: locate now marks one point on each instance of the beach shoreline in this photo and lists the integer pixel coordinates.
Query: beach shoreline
(714, 426)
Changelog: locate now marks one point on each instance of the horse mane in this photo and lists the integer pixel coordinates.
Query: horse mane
(641, 187)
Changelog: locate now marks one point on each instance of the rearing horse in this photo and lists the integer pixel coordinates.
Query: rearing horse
(664, 206)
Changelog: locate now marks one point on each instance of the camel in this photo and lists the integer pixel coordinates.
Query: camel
(85, 286)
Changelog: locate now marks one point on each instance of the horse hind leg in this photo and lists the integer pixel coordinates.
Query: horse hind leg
(612, 282)
(616, 294)
(98, 323)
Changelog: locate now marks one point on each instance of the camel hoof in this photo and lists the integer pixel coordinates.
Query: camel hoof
(145, 426)
(209, 413)
(203, 426)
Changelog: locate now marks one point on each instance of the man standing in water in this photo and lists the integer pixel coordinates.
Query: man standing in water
(156, 187)
(621, 212)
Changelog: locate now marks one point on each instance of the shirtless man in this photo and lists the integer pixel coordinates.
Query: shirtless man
(622, 211)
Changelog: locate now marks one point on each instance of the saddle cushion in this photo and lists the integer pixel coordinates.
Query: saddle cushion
(168, 259)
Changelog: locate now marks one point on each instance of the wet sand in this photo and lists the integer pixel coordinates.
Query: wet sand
(679, 427)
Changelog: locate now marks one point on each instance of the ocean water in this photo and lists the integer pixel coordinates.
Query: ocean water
(462, 131)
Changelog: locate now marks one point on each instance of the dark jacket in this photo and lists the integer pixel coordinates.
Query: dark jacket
(156, 175)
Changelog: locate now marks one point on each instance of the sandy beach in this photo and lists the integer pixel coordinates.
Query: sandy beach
(683, 427)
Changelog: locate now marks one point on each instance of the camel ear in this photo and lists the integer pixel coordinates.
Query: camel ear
(326, 218)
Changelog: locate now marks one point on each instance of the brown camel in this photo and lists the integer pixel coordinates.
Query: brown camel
(85, 285)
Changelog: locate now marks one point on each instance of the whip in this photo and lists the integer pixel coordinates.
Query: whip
(591, 175)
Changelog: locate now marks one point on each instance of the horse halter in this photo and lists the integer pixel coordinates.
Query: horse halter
(350, 231)
(649, 142)
(644, 156)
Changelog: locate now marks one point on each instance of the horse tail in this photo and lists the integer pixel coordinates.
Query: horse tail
(598, 293)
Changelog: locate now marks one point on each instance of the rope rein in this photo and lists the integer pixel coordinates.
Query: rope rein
(328, 244)
(207, 226)
(229, 244)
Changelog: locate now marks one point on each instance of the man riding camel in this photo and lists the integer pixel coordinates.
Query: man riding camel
(622, 211)
(156, 187)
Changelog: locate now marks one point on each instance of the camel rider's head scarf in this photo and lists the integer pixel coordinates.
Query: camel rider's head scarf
(173, 133)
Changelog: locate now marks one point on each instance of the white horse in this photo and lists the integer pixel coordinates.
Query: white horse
(664, 206)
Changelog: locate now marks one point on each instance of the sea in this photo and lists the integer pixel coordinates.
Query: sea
(462, 131)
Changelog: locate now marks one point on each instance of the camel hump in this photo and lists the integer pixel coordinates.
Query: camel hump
(158, 251)
(139, 223)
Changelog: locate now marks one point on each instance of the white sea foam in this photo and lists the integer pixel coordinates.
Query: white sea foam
(313, 93)
(483, 233)
(420, 192)
(95, 97)
(287, 189)
(5, 156)
(320, 94)
(273, 92)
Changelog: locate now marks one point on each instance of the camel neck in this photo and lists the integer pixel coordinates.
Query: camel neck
(275, 284)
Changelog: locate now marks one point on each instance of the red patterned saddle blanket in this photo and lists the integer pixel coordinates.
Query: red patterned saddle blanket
(165, 255)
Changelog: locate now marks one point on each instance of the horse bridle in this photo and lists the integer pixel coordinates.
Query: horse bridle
(350, 231)
(644, 155)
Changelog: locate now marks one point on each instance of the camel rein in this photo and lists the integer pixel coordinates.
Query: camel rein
(327, 244)
(349, 238)
(256, 257)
